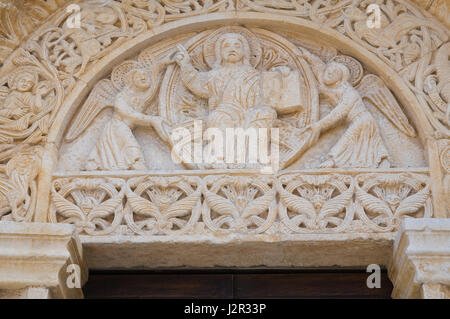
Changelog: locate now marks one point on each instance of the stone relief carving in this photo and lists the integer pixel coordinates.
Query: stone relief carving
(28, 95)
(50, 61)
(240, 87)
(18, 185)
(237, 93)
(221, 204)
(132, 85)
(405, 41)
(361, 144)
(20, 18)
(437, 86)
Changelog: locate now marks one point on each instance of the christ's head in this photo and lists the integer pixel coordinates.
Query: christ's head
(232, 48)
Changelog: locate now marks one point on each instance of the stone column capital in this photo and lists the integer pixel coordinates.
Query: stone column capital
(41, 256)
(420, 266)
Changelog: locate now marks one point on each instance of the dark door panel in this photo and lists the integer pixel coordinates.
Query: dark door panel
(226, 284)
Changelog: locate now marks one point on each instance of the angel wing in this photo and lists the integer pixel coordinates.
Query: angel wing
(374, 89)
(102, 96)
(222, 206)
(183, 206)
(259, 205)
(412, 203)
(296, 203)
(337, 204)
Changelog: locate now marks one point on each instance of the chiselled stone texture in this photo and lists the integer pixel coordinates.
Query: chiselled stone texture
(420, 265)
(291, 203)
(438, 8)
(35, 260)
(111, 113)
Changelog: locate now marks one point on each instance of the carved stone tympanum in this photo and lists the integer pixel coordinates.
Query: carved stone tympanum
(236, 123)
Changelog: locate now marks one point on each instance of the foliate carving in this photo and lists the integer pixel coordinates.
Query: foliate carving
(405, 40)
(294, 8)
(231, 204)
(18, 184)
(239, 204)
(437, 86)
(162, 206)
(20, 18)
(94, 205)
(383, 200)
(316, 203)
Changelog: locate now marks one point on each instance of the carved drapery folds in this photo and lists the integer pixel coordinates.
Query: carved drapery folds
(36, 79)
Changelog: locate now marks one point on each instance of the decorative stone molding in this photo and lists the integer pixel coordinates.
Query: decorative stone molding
(420, 267)
(438, 8)
(40, 261)
(88, 116)
(291, 203)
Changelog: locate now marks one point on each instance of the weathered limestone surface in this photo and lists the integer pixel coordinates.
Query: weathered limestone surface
(34, 260)
(420, 267)
(113, 115)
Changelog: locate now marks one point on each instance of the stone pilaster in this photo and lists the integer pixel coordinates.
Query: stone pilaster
(420, 267)
(40, 261)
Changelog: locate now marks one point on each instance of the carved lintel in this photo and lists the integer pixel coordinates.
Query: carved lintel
(420, 266)
(40, 261)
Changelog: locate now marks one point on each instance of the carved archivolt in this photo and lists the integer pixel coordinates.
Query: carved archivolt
(172, 83)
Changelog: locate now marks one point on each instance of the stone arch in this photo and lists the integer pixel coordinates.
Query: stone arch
(312, 29)
(242, 12)
(414, 68)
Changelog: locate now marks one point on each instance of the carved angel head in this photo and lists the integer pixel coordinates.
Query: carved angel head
(138, 79)
(232, 48)
(335, 73)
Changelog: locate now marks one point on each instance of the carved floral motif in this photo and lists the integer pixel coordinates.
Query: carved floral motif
(41, 73)
(231, 204)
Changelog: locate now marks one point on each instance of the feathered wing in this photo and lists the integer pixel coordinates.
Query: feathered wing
(374, 89)
(102, 96)
(372, 203)
(336, 204)
(222, 206)
(66, 208)
(259, 205)
(296, 203)
(413, 203)
(184, 206)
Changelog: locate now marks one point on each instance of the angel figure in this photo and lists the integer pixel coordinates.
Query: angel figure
(361, 146)
(129, 92)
